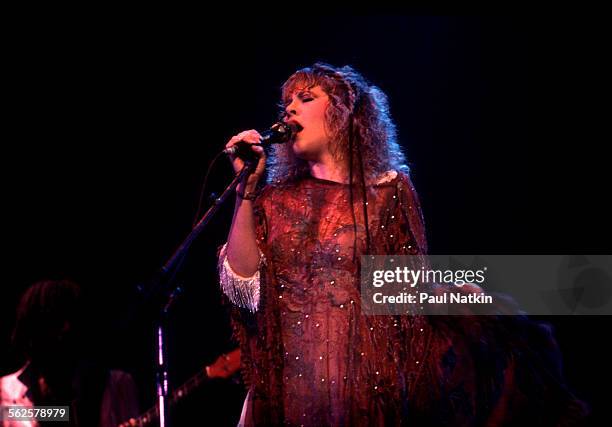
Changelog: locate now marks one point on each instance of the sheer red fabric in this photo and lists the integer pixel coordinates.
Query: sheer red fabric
(310, 357)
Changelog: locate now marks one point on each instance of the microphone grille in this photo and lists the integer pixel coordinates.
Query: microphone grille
(279, 133)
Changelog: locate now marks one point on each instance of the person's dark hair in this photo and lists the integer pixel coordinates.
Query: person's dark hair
(48, 315)
(357, 119)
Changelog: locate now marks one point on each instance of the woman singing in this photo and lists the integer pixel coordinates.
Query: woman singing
(338, 190)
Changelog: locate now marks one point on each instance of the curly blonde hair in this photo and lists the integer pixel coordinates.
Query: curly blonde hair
(363, 133)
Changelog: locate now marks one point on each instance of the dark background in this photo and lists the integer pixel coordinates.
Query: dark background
(110, 127)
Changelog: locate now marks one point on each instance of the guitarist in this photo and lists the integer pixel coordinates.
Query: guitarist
(48, 333)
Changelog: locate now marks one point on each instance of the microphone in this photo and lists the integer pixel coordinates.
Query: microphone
(279, 133)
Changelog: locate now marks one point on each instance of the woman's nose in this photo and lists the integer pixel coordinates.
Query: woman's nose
(291, 109)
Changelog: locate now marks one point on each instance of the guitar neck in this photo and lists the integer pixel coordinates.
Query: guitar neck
(224, 367)
(191, 384)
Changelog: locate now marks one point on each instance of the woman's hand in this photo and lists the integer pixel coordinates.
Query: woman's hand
(249, 137)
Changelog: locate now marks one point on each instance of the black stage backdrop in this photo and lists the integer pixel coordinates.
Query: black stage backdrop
(110, 127)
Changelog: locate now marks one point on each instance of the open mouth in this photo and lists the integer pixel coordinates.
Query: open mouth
(296, 127)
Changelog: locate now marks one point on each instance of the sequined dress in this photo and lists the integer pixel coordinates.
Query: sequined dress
(311, 358)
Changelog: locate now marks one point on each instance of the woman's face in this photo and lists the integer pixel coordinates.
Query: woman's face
(306, 110)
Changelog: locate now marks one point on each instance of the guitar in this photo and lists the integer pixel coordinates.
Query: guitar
(224, 367)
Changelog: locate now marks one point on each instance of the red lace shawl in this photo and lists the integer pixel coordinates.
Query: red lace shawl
(311, 358)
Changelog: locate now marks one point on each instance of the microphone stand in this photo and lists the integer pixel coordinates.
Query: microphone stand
(163, 289)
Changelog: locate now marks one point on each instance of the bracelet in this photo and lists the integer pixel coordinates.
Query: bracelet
(249, 195)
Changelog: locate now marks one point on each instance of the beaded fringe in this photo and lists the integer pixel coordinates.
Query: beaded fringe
(241, 291)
